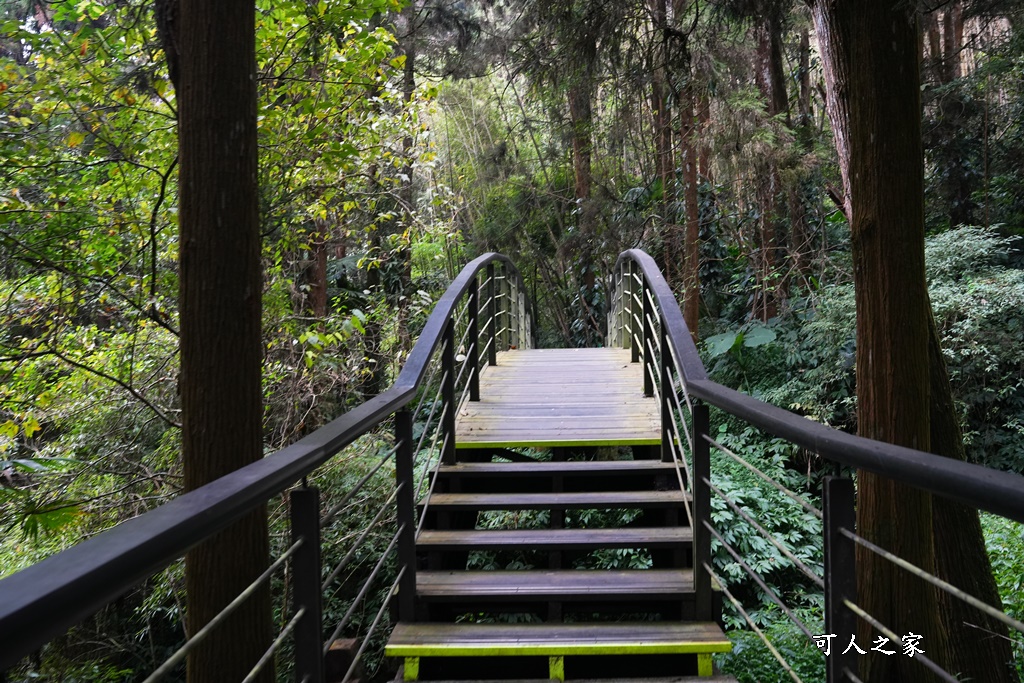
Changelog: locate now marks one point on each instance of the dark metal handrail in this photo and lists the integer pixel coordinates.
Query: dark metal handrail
(646, 318)
(44, 600)
(981, 487)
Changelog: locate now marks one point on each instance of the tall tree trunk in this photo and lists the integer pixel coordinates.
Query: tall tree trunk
(870, 52)
(800, 234)
(770, 79)
(318, 268)
(664, 162)
(220, 302)
(691, 236)
(581, 119)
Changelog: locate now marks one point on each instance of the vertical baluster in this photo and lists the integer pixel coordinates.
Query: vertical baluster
(647, 341)
(701, 512)
(513, 307)
(406, 510)
(492, 317)
(448, 394)
(506, 313)
(840, 574)
(473, 336)
(635, 313)
(666, 389)
(305, 520)
(618, 298)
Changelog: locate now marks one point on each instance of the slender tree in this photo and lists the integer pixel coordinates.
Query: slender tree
(220, 306)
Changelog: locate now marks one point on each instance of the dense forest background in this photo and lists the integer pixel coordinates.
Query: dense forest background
(399, 140)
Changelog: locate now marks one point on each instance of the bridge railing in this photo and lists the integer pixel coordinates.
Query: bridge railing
(484, 310)
(645, 317)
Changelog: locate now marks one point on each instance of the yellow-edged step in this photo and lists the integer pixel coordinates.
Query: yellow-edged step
(556, 641)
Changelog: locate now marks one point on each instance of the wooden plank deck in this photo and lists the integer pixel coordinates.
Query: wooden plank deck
(544, 398)
(555, 639)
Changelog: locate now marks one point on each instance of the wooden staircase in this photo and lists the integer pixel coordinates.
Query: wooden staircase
(517, 575)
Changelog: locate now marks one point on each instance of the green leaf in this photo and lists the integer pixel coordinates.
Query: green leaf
(758, 336)
(720, 344)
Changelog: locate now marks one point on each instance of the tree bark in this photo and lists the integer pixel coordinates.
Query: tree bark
(871, 53)
(980, 646)
(770, 78)
(664, 161)
(220, 306)
(691, 236)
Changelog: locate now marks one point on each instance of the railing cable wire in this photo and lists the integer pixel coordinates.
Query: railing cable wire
(781, 488)
(272, 650)
(936, 581)
(888, 633)
(362, 591)
(219, 618)
(768, 537)
(753, 625)
(359, 541)
(373, 626)
(759, 580)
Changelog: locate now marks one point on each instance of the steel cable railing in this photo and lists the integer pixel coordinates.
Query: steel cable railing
(645, 318)
(73, 584)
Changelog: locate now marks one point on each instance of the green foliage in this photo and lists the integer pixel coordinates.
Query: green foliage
(978, 299)
(787, 522)
(1004, 539)
(751, 662)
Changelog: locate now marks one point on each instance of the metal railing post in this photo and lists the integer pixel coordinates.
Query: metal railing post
(406, 510)
(492, 318)
(634, 319)
(305, 521)
(666, 406)
(840, 573)
(620, 305)
(506, 314)
(701, 513)
(448, 394)
(473, 352)
(513, 307)
(647, 341)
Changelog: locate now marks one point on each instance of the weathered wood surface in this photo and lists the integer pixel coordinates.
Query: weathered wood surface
(565, 467)
(632, 537)
(546, 398)
(566, 584)
(589, 500)
(412, 639)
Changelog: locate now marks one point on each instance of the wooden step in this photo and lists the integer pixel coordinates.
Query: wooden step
(555, 539)
(540, 477)
(555, 641)
(562, 585)
(597, 500)
(661, 679)
(547, 469)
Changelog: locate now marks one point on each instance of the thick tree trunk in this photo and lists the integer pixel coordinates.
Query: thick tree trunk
(220, 301)
(870, 48)
(979, 644)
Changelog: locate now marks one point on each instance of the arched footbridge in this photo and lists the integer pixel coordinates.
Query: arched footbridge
(568, 457)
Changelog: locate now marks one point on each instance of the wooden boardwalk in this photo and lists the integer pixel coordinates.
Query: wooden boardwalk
(544, 398)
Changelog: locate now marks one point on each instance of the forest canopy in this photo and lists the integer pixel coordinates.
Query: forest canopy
(398, 140)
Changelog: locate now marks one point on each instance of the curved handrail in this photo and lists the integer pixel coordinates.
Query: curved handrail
(976, 485)
(73, 584)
